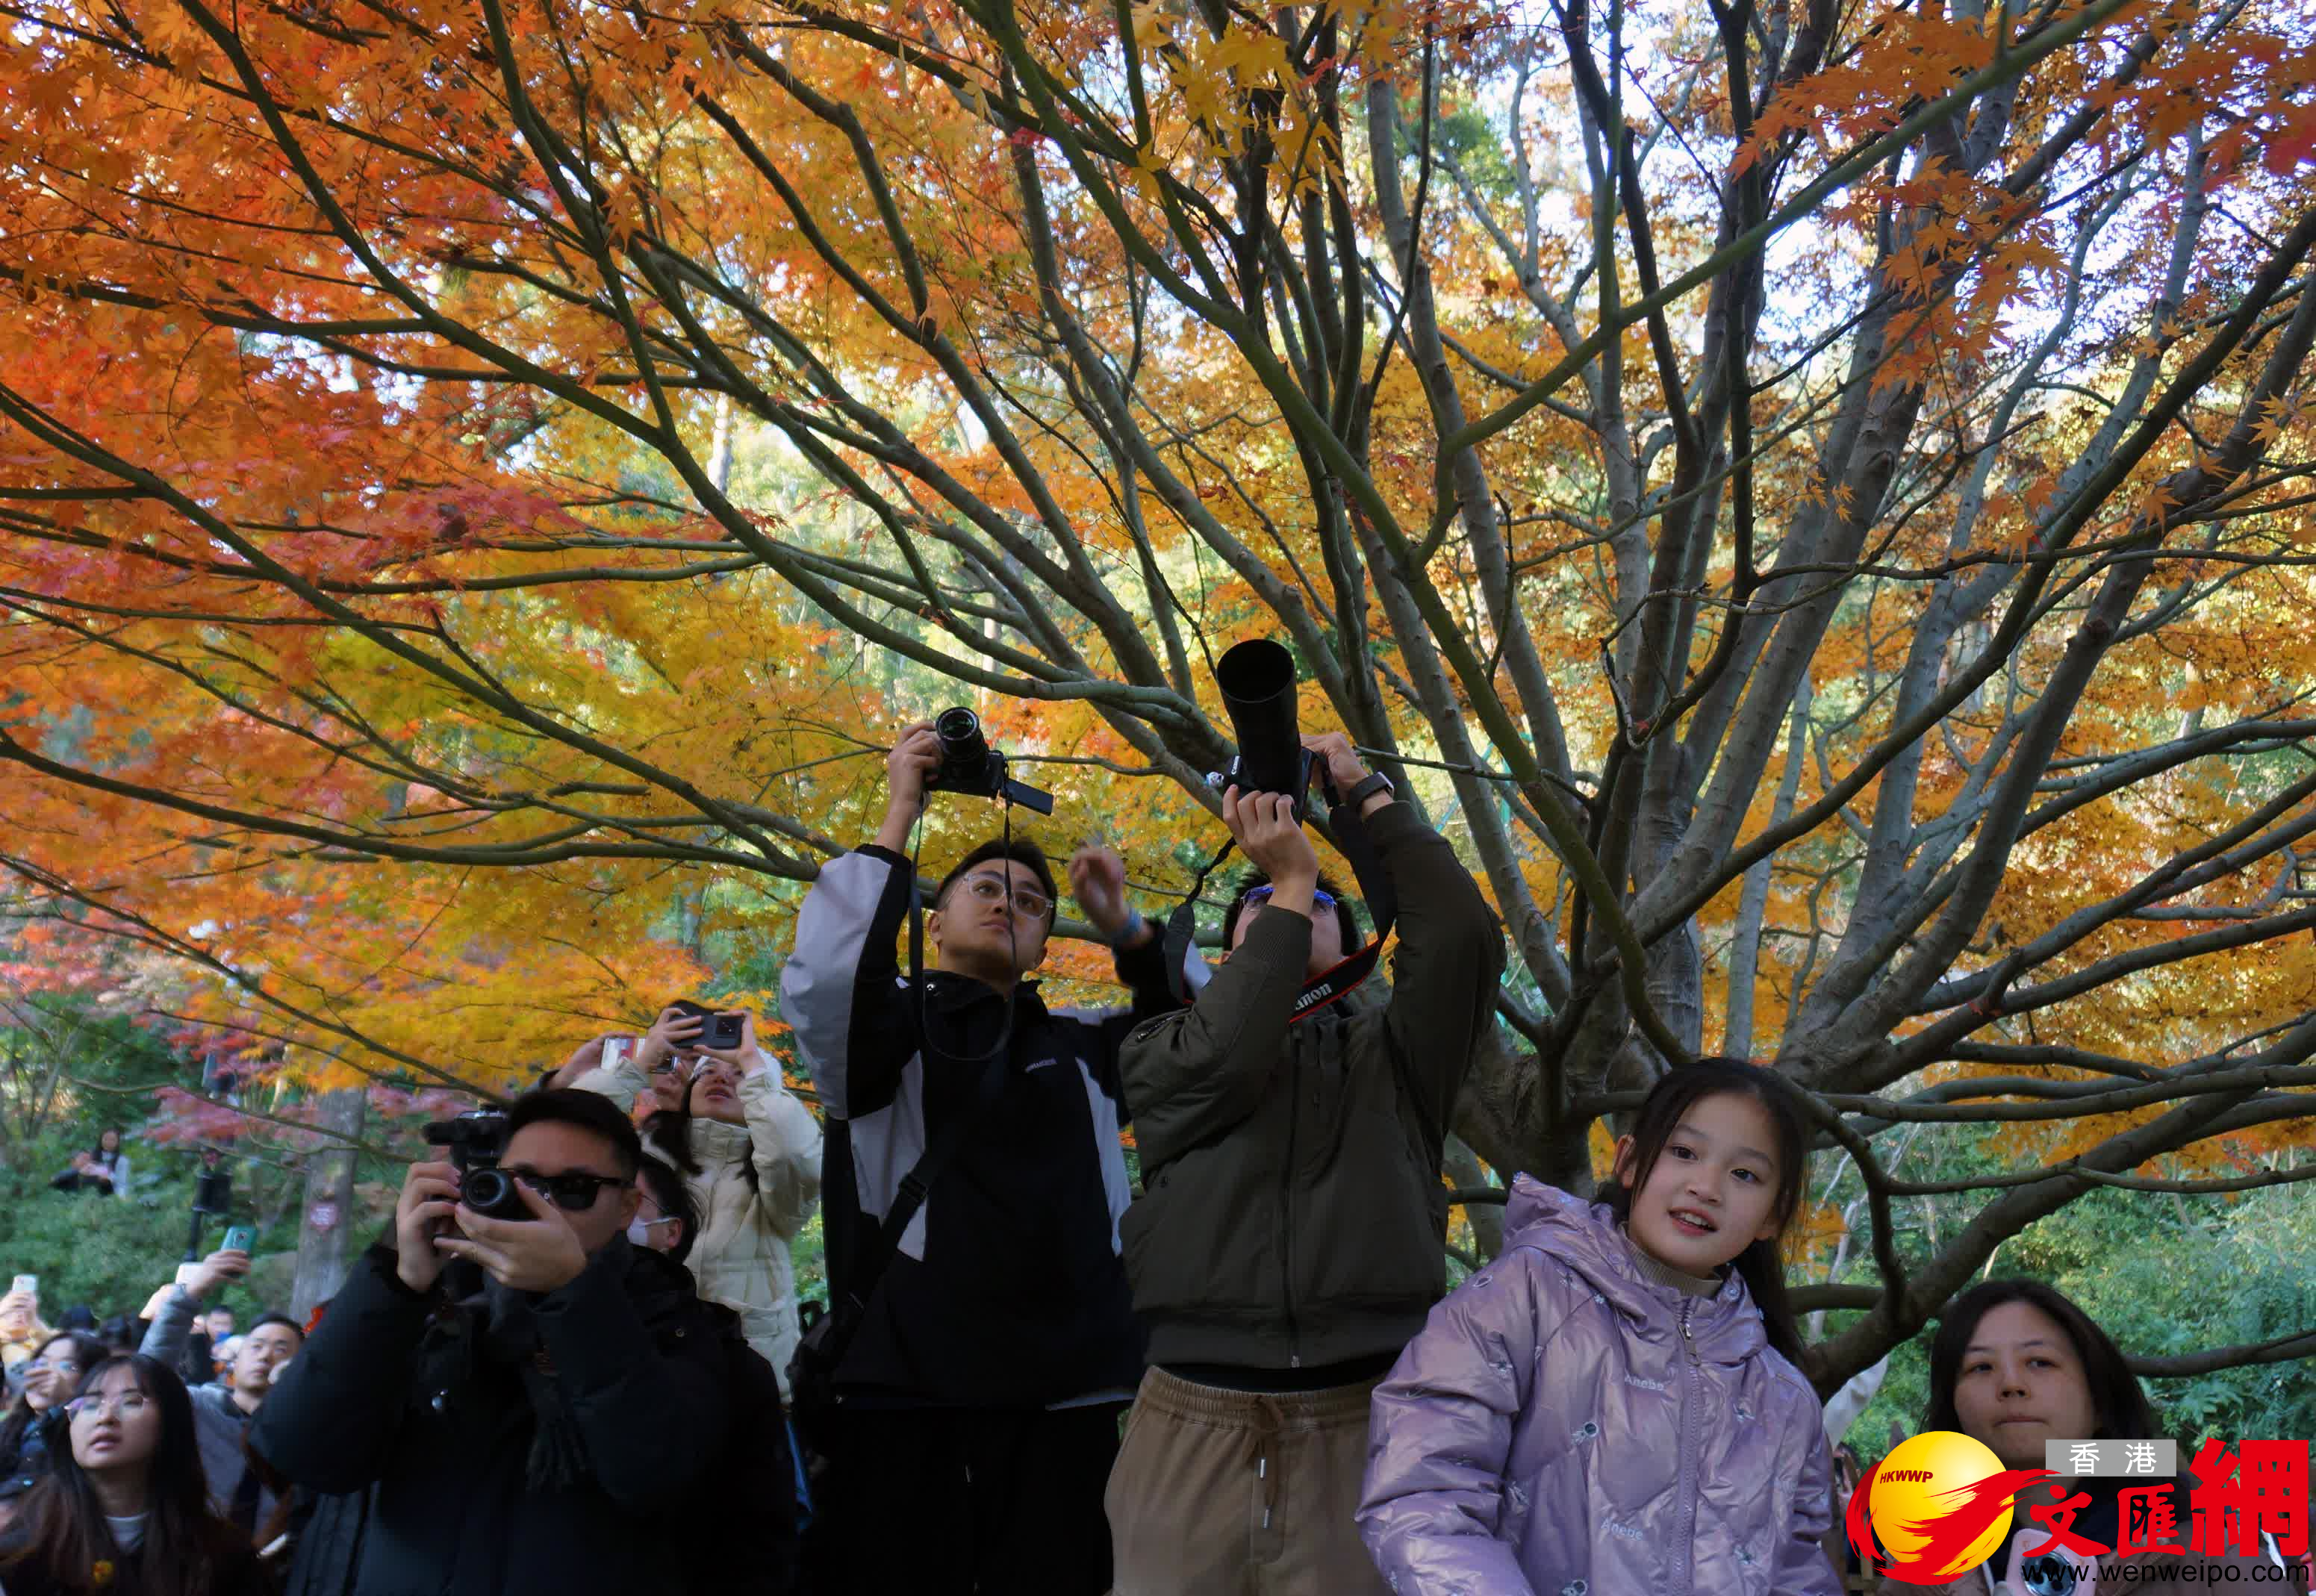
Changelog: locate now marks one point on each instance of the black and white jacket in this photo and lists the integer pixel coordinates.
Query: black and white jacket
(1008, 1289)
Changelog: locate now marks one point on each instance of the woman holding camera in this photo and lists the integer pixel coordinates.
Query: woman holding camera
(126, 1508)
(750, 1155)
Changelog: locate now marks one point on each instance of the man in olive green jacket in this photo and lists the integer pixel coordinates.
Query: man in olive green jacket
(1291, 1235)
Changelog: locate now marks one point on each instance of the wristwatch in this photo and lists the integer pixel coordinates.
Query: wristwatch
(1362, 792)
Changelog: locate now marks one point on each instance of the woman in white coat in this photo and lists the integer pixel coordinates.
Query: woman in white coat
(748, 1153)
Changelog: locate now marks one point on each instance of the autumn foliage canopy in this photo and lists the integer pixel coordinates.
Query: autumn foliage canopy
(1814, 498)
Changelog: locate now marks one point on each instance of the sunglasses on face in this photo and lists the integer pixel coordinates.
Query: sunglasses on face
(574, 1191)
(1028, 901)
(1319, 897)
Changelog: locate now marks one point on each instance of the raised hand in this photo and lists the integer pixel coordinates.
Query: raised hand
(226, 1263)
(1097, 881)
(673, 1032)
(535, 1254)
(1268, 834)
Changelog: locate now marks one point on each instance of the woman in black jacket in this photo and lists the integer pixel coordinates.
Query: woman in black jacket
(52, 1375)
(125, 1510)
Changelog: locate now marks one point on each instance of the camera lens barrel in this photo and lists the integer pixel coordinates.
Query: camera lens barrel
(490, 1190)
(958, 733)
(1256, 679)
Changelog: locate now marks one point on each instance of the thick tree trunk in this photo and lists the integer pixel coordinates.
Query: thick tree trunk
(329, 1196)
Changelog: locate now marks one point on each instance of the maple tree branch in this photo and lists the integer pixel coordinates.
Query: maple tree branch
(1658, 910)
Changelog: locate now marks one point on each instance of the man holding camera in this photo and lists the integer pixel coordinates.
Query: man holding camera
(975, 1404)
(1291, 1236)
(533, 1429)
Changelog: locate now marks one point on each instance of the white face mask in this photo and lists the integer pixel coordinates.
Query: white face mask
(640, 1231)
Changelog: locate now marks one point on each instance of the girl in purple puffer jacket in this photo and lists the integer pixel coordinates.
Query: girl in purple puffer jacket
(1611, 1408)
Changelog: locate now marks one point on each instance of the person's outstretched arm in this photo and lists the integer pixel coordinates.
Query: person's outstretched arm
(1191, 1075)
(172, 1317)
(840, 987)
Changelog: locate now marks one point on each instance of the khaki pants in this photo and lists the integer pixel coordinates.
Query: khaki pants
(1229, 1493)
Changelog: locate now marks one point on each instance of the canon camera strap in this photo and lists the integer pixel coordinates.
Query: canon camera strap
(1330, 984)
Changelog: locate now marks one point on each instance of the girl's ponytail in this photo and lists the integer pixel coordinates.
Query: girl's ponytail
(1763, 1267)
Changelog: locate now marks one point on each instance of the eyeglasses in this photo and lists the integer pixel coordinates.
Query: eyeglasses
(60, 1365)
(1318, 896)
(575, 1191)
(1028, 901)
(128, 1404)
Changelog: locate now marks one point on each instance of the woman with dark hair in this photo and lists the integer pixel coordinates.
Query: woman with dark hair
(52, 1375)
(2015, 1364)
(748, 1153)
(125, 1510)
(107, 1170)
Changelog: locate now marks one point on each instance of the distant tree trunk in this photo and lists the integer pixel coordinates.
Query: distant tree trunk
(330, 1186)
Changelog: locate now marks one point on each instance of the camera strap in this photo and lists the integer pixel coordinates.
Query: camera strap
(1330, 984)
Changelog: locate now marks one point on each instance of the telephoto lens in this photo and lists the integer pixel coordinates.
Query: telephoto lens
(491, 1191)
(1256, 679)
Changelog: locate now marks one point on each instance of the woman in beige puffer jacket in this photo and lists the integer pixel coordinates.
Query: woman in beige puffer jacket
(748, 1153)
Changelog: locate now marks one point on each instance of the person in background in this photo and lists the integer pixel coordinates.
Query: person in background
(2017, 1363)
(107, 1170)
(51, 1376)
(669, 1075)
(199, 1363)
(665, 1221)
(750, 1153)
(125, 1510)
(22, 1334)
(223, 1408)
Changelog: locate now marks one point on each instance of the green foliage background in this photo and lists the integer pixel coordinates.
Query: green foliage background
(2164, 1276)
(110, 1253)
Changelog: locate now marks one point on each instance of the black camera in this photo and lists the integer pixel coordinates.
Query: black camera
(475, 1140)
(1256, 679)
(722, 1032)
(969, 765)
